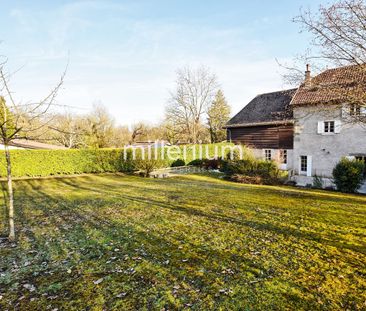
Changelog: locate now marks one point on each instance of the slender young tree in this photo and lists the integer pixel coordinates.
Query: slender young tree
(19, 121)
(218, 115)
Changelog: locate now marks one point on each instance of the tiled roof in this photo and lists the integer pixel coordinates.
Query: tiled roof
(264, 108)
(333, 85)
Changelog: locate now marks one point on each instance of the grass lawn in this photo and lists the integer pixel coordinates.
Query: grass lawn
(107, 242)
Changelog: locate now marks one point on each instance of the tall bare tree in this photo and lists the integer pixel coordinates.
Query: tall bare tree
(338, 38)
(338, 32)
(195, 90)
(19, 120)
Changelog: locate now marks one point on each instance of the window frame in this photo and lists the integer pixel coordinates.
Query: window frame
(304, 157)
(283, 156)
(268, 154)
(355, 110)
(329, 127)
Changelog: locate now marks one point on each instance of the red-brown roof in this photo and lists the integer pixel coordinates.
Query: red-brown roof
(333, 85)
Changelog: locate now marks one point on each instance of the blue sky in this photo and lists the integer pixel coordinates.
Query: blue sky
(124, 54)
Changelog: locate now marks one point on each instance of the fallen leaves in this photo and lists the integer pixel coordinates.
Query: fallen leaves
(98, 281)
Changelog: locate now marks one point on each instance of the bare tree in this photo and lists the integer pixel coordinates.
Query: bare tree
(339, 32)
(338, 39)
(20, 120)
(68, 130)
(100, 126)
(195, 90)
(138, 130)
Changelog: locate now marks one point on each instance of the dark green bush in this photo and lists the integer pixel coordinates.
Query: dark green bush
(178, 162)
(265, 172)
(348, 175)
(242, 167)
(196, 162)
(212, 164)
(267, 169)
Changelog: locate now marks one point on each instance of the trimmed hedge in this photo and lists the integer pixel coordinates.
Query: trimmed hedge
(36, 163)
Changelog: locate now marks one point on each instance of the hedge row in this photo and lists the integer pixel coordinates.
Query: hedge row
(77, 161)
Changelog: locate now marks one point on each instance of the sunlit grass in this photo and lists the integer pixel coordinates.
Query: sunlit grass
(196, 242)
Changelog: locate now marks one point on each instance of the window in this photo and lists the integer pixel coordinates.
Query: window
(329, 126)
(268, 154)
(283, 156)
(304, 163)
(355, 110)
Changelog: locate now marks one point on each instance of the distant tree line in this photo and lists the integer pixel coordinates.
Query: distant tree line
(196, 112)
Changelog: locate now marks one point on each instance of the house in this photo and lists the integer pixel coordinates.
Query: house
(308, 130)
(266, 125)
(30, 144)
(327, 126)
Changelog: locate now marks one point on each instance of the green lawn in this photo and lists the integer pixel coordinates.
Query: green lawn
(109, 242)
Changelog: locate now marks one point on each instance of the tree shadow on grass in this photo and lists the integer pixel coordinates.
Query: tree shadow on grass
(282, 229)
(76, 220)
(129, 236)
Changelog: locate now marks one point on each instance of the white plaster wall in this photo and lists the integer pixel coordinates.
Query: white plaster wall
(326, 149)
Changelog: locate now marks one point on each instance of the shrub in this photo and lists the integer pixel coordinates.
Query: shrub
(266, 171)
(146, 166)
(348, 175)
(318, 182)
(255, 180)
(196, 162)
(245, 154)
(212, 164)
(246, 167)
(178, 162)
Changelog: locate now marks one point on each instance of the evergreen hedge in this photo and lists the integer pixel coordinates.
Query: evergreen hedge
(36, 163)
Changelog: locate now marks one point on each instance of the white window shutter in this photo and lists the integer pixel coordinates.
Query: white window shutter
(310, 166)
(345, 111)
(320, 127)
(299, 165)
(337, 126)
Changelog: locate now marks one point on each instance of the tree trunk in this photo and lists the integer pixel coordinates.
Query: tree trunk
(11, 195)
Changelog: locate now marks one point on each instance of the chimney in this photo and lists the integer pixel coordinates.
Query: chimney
(307, 81)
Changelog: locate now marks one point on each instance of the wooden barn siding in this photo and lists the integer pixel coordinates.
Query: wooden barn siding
(263, 137)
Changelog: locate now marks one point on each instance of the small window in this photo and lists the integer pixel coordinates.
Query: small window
(268, 154)
(304, 163)
(283, 156)
(329, 126)
(355, 110)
